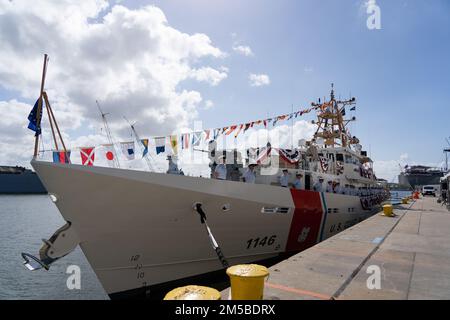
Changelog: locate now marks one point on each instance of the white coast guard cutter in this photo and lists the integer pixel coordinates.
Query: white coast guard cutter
(142, 234)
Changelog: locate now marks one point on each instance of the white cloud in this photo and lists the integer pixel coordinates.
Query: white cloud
(404, 157)
(258, 80)
(244, 50)
(132, 61)
(208, 104)
(209, 75)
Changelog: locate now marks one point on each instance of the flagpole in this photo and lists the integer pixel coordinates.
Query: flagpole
(292, 126)
(50, 120)
(116, 162)
(39, 108)
(138, 139)
(57, 127)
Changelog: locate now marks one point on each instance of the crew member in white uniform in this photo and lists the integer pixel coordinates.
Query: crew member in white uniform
(338, 189)
(298, 181)
(220, 172)
(173, 167)
(329, 187)
(249, 175)
(318, 186)
(284, 178)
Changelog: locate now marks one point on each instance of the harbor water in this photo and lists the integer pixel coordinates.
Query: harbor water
(25, 220)
(398, 195)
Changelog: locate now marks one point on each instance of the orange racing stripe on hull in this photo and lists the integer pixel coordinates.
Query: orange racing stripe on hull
(306, 221)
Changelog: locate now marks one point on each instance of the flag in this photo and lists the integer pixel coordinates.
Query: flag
(216, 133)
(290, 116)
(32, 117)
(339, 167)
(109, 154)
(196, 138)
(145, 145)
(324, 163)
(61, 156)
(353, 108)
(185, 141)
(232, 128)
(247, 126)
(128, 149)
(239, 130)
(174, 144)
(207, 133)
(343, 111)
(265, 123)
(87, 156)
(264, 154)
(160, 145)
(288, 155)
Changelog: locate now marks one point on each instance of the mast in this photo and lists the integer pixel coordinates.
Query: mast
(39, 108)
(446, 151)
(116, 162)
(331, 126)
(139, 142)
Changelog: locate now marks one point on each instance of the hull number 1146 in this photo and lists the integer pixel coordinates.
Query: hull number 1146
(261, 242)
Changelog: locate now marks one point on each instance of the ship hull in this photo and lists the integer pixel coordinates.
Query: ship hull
(141, 236)
(23, 183)
(420, 180)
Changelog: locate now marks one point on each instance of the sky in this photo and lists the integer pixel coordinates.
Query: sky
(169, 64)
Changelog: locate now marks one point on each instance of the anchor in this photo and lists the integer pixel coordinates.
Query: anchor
(60, 244)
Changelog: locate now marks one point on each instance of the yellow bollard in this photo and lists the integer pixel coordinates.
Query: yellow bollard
(193, 293)
(405, 201)
(387, 210)
(247, 281)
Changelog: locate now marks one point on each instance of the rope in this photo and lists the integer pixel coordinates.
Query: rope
(215, 245)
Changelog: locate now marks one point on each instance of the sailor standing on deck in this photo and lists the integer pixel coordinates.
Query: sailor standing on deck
(173, 167)
(329, 187)
(220, 172)
(249, 175)
(284, 179)
(298, 181)
(338, 189)
(318, 186)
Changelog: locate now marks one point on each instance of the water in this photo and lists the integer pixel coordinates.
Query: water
(24, 221)
(397, 196)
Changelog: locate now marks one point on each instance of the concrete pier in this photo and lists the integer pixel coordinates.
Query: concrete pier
(411, 251)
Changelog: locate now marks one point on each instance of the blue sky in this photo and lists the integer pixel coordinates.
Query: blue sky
(399, 74)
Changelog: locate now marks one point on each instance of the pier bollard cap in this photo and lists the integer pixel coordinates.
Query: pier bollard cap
(248, 270)
(193, 293)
